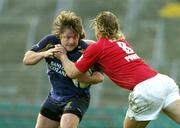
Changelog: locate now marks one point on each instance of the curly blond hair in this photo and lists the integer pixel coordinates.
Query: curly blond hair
(68, 19)
(106, 23)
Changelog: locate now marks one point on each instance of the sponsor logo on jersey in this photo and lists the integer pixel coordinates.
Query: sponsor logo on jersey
(58, 68)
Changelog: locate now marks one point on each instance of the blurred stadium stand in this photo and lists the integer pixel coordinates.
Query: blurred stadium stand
(152, 27)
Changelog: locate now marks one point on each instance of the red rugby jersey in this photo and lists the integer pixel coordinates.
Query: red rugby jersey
(118, 61)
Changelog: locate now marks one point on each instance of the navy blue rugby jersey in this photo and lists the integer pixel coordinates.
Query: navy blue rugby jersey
(62, 87)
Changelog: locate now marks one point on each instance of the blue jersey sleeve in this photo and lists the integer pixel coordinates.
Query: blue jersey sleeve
(45, 43)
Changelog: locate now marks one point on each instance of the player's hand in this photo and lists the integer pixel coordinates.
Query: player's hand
(61, 51)
(50, 52)
(60, 48)
(97, 76)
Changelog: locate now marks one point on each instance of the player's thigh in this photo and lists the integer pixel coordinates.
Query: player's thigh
(44, 122)
(173, 110)
(132, 123)
(69, 120)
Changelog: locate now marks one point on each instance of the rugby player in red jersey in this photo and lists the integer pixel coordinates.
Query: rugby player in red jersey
(151, 91)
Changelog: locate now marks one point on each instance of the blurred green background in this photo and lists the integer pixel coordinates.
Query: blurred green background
(151, 26)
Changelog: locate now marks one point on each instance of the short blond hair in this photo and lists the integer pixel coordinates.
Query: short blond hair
(106, 23)
(68, 19)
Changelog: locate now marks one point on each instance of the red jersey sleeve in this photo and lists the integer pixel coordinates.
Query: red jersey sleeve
(88, 58)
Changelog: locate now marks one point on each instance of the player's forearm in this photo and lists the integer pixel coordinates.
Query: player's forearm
(94, 78)
(69, 67)
(32, 58)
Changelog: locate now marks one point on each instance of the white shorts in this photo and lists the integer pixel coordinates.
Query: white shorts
(149, 97)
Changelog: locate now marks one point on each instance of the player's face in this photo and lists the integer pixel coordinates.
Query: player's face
(69, 39)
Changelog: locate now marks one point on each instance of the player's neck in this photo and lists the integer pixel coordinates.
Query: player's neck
(113, 40)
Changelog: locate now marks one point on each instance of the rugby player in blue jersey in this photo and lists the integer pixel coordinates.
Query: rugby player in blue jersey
(68, 98)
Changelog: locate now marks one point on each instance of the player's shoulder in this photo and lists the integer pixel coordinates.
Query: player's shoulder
(84, 43)
(47, 41)
(51, 38)
(89, 42)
